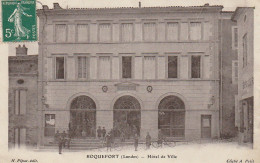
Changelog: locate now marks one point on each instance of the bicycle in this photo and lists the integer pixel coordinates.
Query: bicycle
(155, 144)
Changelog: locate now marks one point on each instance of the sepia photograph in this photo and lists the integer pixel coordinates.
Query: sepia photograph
(116, 81)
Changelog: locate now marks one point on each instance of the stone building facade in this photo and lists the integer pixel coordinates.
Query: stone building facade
(164, 70)
(23, 104)
(245, 111)
(228, 75)
(147, 69)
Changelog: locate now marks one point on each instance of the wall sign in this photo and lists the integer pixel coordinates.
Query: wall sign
(104, 88)
(149, 89)
(20, 81)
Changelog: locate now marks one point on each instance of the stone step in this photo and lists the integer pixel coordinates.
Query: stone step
(55, 148)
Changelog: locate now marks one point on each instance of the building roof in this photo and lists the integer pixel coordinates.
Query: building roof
(239, 10)
(22, 58)
(58, 10)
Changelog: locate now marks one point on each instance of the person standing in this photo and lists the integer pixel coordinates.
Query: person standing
(69, 138)
(99, 132)
(63, 136)
(104, 132)
(136, 142)
(108, 141)
(60, 143)
(112, 137)
(160, 138)
(148, 140)
(56, 136)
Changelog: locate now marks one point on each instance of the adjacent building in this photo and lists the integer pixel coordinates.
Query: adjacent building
(22, 99)
(245, 40)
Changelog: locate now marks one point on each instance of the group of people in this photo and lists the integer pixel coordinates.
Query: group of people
(108, 138)
(62, 139)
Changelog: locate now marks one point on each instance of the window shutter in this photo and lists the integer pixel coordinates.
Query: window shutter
(17, 102)
(149, 31)
(127, 32)
(23, 101)
(83, 33)
(105, 32)
(172, 31)
(104, 67)
(149, 67)
(61, 33)
(195, 31)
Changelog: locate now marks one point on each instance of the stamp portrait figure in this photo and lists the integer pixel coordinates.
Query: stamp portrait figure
(16, 18)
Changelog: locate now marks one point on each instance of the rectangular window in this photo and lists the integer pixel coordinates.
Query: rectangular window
(83, 33)
(104, 67)
(234, 72)
(19, 137)
(149, 31)
(126, 67)
(149, 67)
(184, 30)
(61, 32)
(82, 67)
(127, 32)
(49, 125)
(20, 101)
(172, 31)
(60, 68)
(172, 66)
(105, 32)
(195, 66)
(195, 31)
(245, 50)
(234, 37)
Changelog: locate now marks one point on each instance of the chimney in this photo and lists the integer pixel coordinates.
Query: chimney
(140, 5)
(56, 6)
(21, 51)
(45, 7)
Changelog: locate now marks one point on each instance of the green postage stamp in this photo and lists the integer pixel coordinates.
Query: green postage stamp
(19, 20)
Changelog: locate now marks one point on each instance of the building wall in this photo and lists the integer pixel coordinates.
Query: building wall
(229, 84)
(245, 23)
(25, 68)
(199, 95)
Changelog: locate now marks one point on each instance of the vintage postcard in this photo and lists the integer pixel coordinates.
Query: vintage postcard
(129, 81)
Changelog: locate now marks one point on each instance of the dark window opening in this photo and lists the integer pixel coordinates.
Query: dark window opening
(195, 66)
(126, 67)
(60, 68)
(172, 66)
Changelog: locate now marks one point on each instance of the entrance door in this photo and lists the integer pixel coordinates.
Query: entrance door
(171, 117)
(83, 117)
(205, 126)
(83, 123)
(127, 117)
(250, 119)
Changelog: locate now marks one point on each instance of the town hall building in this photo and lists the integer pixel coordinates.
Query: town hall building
(134, 70)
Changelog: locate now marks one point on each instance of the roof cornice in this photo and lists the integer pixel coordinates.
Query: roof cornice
(125, 10)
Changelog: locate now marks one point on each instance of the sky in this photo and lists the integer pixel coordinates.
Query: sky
(229, 5)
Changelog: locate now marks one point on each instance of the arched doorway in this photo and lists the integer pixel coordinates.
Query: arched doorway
(127, 116)
(83, 117)
(171, 114)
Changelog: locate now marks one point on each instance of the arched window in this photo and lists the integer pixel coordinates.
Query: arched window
(171, 114)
